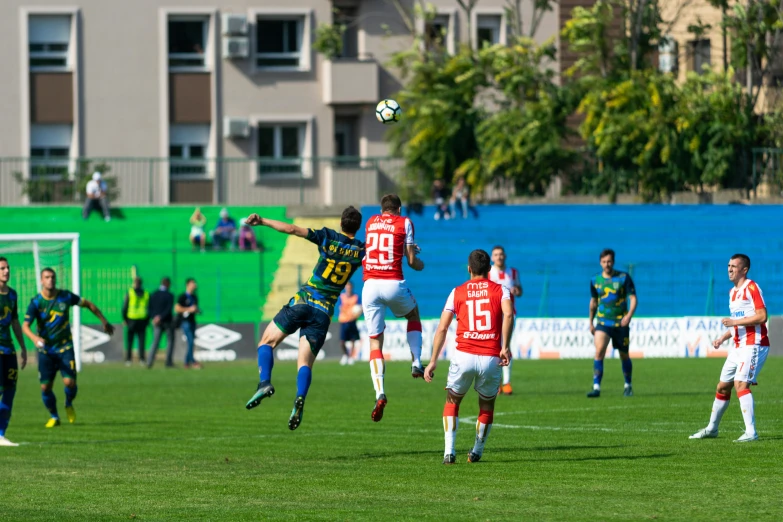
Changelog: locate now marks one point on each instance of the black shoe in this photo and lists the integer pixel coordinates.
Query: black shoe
(417, 372)
(628, 392)
(265, 389)
(449, 459)
(473, 457)
(594, 394)
(377, 412)
(296, 414)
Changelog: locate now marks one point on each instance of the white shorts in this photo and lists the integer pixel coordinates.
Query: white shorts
(744, 364)
(465, 368)
(377, 295)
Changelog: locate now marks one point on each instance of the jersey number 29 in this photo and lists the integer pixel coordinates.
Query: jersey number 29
(384, 244)
(479, 318)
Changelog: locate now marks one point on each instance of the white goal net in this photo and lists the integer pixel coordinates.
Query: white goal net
(28, 254)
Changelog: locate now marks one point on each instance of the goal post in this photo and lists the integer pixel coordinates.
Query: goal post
(28, 254)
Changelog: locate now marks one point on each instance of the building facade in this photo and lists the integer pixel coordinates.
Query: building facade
(187, 82)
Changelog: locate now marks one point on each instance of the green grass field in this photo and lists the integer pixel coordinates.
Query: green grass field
(177, 445)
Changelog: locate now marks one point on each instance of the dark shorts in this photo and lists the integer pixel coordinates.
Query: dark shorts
(620, 336)
(312, 324)
(9, 371)
(349, 331)
(50, 363)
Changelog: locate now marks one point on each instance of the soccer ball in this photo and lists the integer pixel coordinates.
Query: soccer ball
(356, 310)
(388, 111)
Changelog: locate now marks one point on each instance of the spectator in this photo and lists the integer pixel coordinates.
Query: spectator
(135, 316)
(246, 236)
(161, 310)
(349, 305)
(97, 198)
(224, 231)
(197, 234)
(460, 196)
(439, 195)
(187, 308)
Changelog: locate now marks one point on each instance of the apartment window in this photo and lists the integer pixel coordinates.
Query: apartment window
(280, 148)
(346, 140)
(279, 42)
(700, 54)
(488, 30)
(187, 42)
(346, 16)
(437, 31)
(50, 149)
(187, 150)
(667, 55)
(49, 41)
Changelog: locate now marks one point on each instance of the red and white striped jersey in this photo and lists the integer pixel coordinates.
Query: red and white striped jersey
(387, 237)
(476, 304)
(508, 278)
(743, 302)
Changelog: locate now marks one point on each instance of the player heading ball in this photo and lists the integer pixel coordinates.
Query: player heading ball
(485, 321)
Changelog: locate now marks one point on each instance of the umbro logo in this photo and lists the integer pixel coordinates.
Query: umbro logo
(92, 338)
(214, 337)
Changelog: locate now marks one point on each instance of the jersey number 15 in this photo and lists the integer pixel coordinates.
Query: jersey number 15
(479, 317)
(384, 244)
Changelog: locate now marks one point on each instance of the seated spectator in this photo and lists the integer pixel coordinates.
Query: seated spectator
(460, 196)
(439, 195)
(225, 230)
(97, 198)
(197, 234)
(246, 237)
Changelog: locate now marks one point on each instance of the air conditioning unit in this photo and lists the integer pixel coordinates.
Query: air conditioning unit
(234, 24)
(236, 47)
(236, 128)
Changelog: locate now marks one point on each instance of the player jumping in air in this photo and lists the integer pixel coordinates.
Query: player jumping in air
(610, 292)
(389, 241)
(9, 366)
(485, 321)
(750, 346)
(51, 312)
(310, 310)
(508, 278)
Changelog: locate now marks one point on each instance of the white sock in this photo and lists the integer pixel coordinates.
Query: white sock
(482, 432)
(746, 405)
(719, 407)
(450, 424)
(377, 371)
(507, 373)
(414, 341)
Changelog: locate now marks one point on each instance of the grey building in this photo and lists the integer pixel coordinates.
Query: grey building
(159, 90)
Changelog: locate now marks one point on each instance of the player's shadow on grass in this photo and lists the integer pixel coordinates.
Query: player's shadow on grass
(518, 449)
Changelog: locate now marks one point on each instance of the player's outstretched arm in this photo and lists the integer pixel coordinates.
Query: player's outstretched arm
(254, 220)
(507, 332)
(17, 328)
(437, 344)
(413, 261)
(108, 328)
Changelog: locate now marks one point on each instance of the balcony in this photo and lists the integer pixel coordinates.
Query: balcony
(350, 80)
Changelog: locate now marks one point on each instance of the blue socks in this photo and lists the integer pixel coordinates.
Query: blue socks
(266, 360)
(627, 370)
(50, 401)
(6, 404)
(303, 380)
(70, 395)
(598, 372)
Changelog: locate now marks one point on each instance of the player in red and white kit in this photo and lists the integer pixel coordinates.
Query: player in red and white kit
(748, 351)
(509, 278)
(485, 321)
(389, 241)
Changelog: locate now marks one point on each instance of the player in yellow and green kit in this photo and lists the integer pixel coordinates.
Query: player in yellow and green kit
(50, 310)
(612, 305)
(310, 310)
(9, 366)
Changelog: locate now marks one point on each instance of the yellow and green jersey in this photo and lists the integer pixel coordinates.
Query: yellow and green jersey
(612, 295)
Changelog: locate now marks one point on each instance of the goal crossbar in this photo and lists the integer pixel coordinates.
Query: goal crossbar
(76, 282)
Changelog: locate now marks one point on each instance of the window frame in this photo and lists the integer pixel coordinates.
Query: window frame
(205, 32)
(62, 163)
(305, 136)
(451, 33)
(697, 54)
(304, 22)
(477, 14)
(199, 164)
(67, 55)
